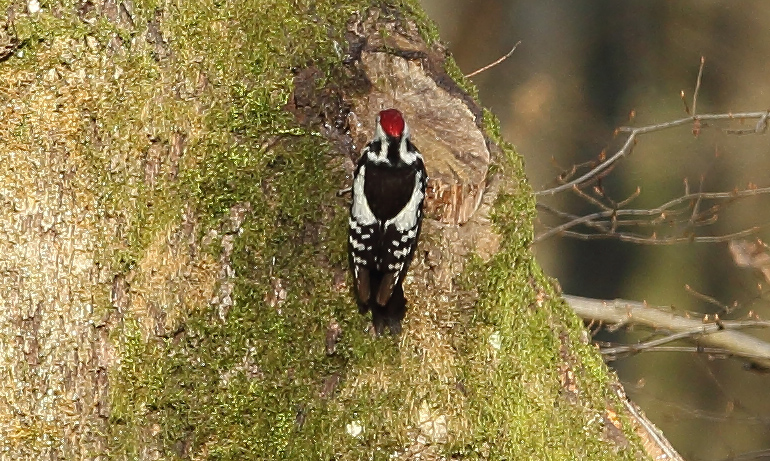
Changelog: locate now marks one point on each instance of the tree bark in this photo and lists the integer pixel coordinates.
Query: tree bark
(172, 265)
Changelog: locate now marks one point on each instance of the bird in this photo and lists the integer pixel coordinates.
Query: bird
(386, 215)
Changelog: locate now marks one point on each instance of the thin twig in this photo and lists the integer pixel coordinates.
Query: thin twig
(631, 197)
(709, 299)
(489, 66)
(697, 86)
(592, 200)
(655, 240)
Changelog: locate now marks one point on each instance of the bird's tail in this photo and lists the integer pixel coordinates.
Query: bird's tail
(391, 314)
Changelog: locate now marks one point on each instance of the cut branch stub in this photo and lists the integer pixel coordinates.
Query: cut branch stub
(445, 123)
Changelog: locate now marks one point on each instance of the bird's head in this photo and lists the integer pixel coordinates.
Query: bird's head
(390, 123)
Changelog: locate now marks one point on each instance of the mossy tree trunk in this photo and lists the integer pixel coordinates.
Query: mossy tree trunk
(172, 252)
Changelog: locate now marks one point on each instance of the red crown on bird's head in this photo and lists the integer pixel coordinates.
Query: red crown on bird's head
(392, 122)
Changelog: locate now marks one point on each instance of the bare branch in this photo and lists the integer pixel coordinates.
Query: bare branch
(625, 150)
(489, 66)
(633, 133)
(712, 351)
(608, 221)
(760, 127)
(721, 335)
(646, 345)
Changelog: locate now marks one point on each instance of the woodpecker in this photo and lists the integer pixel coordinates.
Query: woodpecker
(385, 220)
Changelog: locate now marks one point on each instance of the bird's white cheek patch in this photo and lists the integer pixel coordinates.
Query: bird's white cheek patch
(407, 156)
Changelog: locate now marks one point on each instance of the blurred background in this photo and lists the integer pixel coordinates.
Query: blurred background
(582, 67)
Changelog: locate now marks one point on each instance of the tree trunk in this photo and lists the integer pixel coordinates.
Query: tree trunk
(172, 262)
